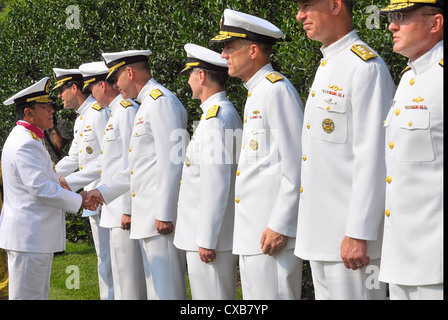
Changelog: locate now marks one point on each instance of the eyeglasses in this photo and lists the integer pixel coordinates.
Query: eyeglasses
(400, 16)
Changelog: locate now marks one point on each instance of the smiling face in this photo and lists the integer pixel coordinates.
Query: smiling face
(99, 93)
(315, 15)
(68, 96)
(122, 81)
(40, 115)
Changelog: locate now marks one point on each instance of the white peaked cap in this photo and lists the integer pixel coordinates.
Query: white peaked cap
(201, 57)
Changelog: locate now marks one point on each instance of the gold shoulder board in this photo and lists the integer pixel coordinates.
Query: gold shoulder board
(363, 52)
(34, 136)
(96, 106)
(126, 103)
(212, 112)
(274, 77)
(441, 63)
(155, 93)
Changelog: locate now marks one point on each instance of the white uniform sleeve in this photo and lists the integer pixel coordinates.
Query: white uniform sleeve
(215, 182)
(165, 118)
(373, 92)
(31, 159)
(285, 116)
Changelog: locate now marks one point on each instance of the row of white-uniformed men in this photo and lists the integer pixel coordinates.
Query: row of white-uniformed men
(267, 186)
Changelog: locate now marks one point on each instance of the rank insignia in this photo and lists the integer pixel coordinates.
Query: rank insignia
(274, 77)
(126, 103)
(253, 144)
(363, 52)
(34, 136)
(156, 93)
(96, 106)
(328, 125)
(89, 150)
(212, 112)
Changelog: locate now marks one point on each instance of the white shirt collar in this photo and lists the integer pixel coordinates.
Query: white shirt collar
(433, 56)
(146, 90)
(339, 45)
(210, 102)
(260, 74)
(86, 104)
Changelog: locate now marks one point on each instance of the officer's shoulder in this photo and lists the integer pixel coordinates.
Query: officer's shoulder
(126, 103)
(213, 112)
(274, 77)
(156, 93)
(96, 106)
(363, 52)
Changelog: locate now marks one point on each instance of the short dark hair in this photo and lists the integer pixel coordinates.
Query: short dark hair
(218, 77)
(349, 6)
(20, 109)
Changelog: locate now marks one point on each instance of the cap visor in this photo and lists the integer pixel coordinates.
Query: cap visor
(399, 7)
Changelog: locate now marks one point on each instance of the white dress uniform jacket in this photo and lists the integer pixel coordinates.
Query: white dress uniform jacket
(155, 161)
(33, 213)
(86, 145)
(113, 158)
(268, 177)
(207, 194)
(343, 167)
(413, 228)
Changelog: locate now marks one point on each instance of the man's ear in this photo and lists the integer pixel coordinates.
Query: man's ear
(336, 7)
(254, 50)
(130, 73)
(437, 24)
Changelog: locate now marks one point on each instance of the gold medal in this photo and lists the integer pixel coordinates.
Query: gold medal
(328, 125)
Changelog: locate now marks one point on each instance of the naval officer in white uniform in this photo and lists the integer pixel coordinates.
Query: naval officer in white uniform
(32, 223)
(154, 172)
(412, 255)
(85, 148)
(205, 215)
(127, 265)
(343, 167)
(268, 176)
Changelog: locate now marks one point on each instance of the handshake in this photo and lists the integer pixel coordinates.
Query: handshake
(90, 200)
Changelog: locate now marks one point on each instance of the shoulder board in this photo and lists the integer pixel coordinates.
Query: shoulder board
(406, 69)
(363, 52)
(34, 136)
(126, 103)
(212, 112)
(96, 106)
(156, 93)
(274, 77)
(441, 63)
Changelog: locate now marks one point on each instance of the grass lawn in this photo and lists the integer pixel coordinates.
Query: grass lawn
(78, 259)
(74, 274)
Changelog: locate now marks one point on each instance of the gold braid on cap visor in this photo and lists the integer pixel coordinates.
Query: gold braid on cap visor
(40, 99)
(223, 35)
